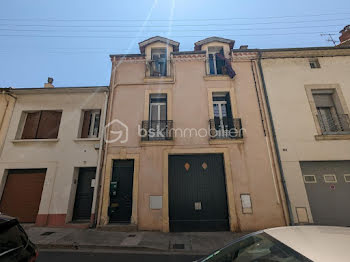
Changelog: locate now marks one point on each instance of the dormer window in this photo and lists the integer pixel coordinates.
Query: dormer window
(216, 60)
(158, 63)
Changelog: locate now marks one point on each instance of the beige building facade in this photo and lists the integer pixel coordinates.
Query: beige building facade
(309, 98)
(7, 102)
(49, 165)
(170, 164)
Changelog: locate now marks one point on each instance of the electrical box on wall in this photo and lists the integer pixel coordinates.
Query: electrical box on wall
(155, 202)
(246, 204)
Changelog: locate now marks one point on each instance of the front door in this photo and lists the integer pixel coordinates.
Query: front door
(84, 194)
(120, 207)
(197, 193)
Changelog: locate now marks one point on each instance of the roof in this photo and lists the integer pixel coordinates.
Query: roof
(155, 39)
(189, 53)
(49, 90)
(318, 243)
(198, 44)
(126, 55)
(6, 222)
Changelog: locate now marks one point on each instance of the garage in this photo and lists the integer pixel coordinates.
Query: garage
(327, 184)
(197, 193)
(22, 194)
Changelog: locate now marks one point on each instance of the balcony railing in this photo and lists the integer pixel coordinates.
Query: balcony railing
(157, 130)
(229, 128)
(159, 68)
(334, 125)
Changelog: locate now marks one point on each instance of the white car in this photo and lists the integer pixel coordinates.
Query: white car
(288, 244)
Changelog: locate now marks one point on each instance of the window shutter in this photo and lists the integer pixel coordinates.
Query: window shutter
(323, 100)
(49, 124)
(86, 124)
(31, 125)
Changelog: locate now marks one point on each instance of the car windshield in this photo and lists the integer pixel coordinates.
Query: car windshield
(12, 238)
(260, 248)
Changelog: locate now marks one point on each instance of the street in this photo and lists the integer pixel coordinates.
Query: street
(92, 256)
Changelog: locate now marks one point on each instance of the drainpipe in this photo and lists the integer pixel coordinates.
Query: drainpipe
(99, 167)
(275, 139)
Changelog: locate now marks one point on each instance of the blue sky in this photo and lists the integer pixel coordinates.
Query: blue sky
(71, 40)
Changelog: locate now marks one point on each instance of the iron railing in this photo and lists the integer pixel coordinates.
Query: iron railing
(337, 124)
(159, 68)
(155, 130)
(227, 128)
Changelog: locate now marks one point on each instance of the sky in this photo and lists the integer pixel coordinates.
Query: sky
(71, 40)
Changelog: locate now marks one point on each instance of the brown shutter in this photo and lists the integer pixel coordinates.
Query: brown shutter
(49, 124)
(31, 125)
(86, 124)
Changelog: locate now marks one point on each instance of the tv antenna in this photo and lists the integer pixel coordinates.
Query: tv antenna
(330, 38)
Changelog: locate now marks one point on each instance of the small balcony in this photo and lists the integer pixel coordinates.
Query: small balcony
(337, 124)
(161, 68)
(157, 130)
(227, 128)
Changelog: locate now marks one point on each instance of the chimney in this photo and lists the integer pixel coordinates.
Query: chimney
(49, 83)
(243, 47)
(345, 34)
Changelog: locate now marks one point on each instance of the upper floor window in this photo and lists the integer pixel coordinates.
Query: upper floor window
(330, 113)
(314, 63)
(158, 64)
(91, 123)
(41, 124)
(216, 60)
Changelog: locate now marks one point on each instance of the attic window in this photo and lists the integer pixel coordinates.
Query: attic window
(314, 63)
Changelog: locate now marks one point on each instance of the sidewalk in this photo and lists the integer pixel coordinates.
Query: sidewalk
(71, 238)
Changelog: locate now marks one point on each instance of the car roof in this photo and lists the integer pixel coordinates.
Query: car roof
(318, 243)
(4, 218)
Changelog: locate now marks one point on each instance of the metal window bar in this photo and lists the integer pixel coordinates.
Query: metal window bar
(337, 124)
(157, 130)
(227, 128)
(159, 68)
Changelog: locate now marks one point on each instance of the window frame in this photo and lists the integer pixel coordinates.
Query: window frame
(91, 123)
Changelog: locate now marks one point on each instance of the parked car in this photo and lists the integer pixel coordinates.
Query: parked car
(14, 242)
(288, 244)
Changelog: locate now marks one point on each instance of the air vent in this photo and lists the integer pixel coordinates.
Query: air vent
(310, 179)
(330, 178)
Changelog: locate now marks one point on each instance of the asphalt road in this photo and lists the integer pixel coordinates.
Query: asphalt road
(92, 256)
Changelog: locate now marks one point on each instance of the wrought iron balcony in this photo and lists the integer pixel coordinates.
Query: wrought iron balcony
(157, 130)
(227, 128)
(159, 68)
(332, 125)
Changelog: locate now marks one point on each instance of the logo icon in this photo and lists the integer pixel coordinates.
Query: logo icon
(117, 135)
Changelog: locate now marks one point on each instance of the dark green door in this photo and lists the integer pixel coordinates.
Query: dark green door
(84, 194)
(197, 193)
(121, 191)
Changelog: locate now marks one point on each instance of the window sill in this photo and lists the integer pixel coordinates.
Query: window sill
(158, 143)
(93, 139)
(161, 79)
(50, 140)
(333, 137)
(226, 141)
(217, 77)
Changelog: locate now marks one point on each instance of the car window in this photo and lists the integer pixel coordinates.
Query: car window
(12, 238)
(258, 248)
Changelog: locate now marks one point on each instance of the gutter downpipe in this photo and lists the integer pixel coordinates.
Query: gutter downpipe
(275, 140)
(99, 167)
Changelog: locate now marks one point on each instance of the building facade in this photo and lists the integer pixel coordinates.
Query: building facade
(188, 142)
(49, 166)
(309, 97)
(7, 102)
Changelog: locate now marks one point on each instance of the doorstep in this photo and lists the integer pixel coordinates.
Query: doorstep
(118, 227)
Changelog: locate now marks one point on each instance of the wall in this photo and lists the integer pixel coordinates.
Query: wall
(61, 157)
(293, 119)
(248, 163)
(7, 103)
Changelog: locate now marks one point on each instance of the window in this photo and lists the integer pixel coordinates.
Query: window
(91, 123)
(41, 125)
(223, 122)
(158, 64)
(330, 113)
(310, 179)
(216, 60)
(158, 116)
(314, 63)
